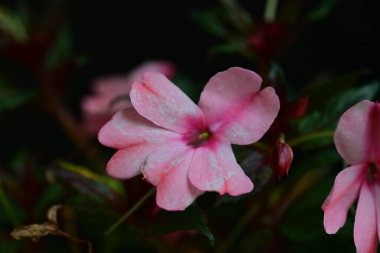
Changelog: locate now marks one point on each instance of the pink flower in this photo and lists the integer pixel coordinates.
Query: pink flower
(357, 139)
(185, 149)
(112, 94)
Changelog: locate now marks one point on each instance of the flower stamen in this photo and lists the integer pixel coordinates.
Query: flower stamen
(199, 139)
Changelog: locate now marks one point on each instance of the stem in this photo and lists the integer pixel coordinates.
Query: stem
(310, 137)
(270, 11)
(130, 212)
(7, 207)
(76, 240)
(304, 183)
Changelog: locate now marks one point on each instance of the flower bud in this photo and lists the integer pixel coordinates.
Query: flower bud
(282, 157)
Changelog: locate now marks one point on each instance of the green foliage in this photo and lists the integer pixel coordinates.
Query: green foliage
(322, 10)
(49, 197)
(9, 209)
(190, 219)
(60, 51)
(12, 97)
(211, 22)
(328, 86)
(231, 47)
(238, 16)
(100, 188)
(10, 246)
(334, 106)
(13, 24)
(90, 175)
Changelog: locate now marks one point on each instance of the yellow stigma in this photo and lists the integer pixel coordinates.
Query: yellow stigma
(204, 136)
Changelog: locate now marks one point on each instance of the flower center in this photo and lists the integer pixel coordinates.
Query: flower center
(198, 139)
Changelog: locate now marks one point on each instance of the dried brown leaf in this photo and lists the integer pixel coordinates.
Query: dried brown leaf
(34, 231)
(52, 213)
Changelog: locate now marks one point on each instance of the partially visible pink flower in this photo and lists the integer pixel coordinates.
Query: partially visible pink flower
(185, 149)
(357, 139)
(112, 94)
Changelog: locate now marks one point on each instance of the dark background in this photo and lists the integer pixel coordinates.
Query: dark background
(118, 35)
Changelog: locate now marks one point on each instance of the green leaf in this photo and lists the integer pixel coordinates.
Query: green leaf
(10, 246)
(12, 24)
(99, 188)
(322, 10)
(211, 23)
(11, 97)
(239, 17)
(9, 209)
(328, 117)
(227, 48)
(90, 175)
(14, 101)
(308, 123)
(60, 51)
(49, 196)
(190, 219)
(328, 87)
(341, 103)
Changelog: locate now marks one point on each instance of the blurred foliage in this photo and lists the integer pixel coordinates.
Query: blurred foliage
(189, 220)
(11, 97)
(12, 24)
(51, 51)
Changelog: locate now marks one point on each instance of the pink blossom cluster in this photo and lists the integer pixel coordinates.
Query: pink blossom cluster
(182, 148)
(185, 149)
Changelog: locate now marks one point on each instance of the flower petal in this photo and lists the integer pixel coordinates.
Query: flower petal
(160, 101)
(127, 128)
(93, 122)
(235, 106)
(174, 191)
(159, 162)
(377, 204)
(112, 86)
(214, 168)
(365, 227)
(343, 194)
(128, 162)
(358, 133)
(164, 67)
(111, 95)
(117, 87)
(205, 172)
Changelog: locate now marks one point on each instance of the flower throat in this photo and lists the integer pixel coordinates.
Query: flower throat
(200, 139)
